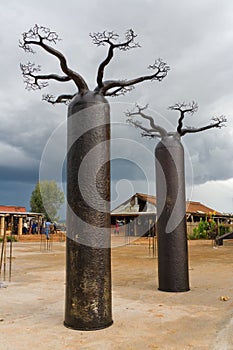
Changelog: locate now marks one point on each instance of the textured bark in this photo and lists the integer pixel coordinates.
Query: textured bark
(171, 225)
(88, 278)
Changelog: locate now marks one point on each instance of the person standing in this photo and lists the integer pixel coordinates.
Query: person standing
(47, 229)
(117, 228)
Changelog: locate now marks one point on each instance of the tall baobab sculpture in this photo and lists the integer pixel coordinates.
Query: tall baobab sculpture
(88, 266)
(173, 273)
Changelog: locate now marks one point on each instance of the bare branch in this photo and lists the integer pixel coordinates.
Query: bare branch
(37, 36)
(65, 98)
(103, 38)
(158, 131)
(120, 91)
(218, 122)
(33, 81)
(191, 108)
(30, 79)
(161, 71)
(146, 132)
(184, 108)
(139, 112)
(109, 38)
(138, 125)
(150, 135)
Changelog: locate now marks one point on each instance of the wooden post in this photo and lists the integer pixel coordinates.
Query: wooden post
(2, 225)
(20, 226)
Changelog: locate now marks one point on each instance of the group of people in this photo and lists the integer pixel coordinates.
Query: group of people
(33, 227)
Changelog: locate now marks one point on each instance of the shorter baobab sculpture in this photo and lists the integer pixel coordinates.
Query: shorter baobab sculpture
(173, 273)
(88, 256)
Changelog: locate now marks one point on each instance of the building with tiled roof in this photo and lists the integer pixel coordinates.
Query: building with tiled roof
(12, 209)
(14, 216)
(139, 213)
(198, 208)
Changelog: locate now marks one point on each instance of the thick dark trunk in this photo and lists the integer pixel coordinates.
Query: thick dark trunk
(88, 255)
(171, 207)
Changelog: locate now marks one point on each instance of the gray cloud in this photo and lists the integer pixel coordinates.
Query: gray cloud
(193, 37)
(211, 156)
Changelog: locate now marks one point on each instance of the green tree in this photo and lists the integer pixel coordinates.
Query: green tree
(206, 228)
(47, 198)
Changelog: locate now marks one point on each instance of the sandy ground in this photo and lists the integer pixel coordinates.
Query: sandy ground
(32, 304)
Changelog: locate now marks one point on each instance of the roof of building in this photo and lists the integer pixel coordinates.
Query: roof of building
(199, 208)
(147, 198)
(12, 208)
(191, 207)
(131, 207)
(16, 210)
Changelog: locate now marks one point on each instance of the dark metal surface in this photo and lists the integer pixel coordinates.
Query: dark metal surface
(227, 235)
(88, 260)
(171, 225)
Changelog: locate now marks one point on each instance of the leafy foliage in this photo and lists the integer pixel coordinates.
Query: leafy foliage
(222, 229)
(205, 230)
(47, 198)
(9, 239)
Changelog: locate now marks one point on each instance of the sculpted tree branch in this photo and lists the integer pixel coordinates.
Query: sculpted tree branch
(35, 81)
(184, 108)
(191, 108)
(161, 71)
(44, 37)
(64, 98)
(158, 131)
(155, 131)
(37, 36)
(219, 122)
(146, 131)
(108, 38)
(119, 91)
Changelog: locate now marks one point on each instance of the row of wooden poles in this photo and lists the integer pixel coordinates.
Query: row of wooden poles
(3, 258)
(45, 244)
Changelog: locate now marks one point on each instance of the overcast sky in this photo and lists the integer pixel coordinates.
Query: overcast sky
(194, 37)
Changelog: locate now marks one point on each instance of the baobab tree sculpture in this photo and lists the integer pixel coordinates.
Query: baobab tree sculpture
(173, 273)
(88, 266)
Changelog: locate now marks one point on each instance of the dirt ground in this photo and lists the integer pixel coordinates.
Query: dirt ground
(32, 304)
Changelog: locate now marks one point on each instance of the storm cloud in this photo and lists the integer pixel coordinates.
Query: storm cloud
(194, 38)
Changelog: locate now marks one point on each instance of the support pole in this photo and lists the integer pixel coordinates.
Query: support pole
(3, 248)
(4, 252)
(11, 247)
(171, 207)
(88, 266)
(20, 226)
(2, 225)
